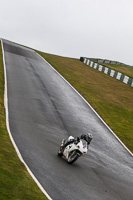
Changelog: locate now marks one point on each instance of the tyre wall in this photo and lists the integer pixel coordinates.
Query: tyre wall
(111, 72)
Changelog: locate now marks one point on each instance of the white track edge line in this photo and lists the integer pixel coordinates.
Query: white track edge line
(89, 106)
(8, 128)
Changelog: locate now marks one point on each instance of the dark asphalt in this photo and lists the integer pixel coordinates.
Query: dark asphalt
(44, 109)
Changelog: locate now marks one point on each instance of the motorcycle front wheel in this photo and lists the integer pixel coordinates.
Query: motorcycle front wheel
(73, 156)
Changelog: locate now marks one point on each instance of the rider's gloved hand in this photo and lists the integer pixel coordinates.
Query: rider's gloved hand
(76, 140)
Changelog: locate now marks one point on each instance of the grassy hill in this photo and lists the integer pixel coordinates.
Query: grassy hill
(112, 99)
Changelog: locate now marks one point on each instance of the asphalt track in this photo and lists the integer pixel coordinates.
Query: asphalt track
(44, 109)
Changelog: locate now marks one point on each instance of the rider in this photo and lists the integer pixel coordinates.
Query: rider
(88, 137)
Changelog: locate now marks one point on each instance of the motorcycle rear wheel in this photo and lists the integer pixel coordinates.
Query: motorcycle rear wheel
(73, 156)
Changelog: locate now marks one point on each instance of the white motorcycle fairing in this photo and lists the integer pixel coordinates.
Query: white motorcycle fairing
(81, 147)
(74, 150)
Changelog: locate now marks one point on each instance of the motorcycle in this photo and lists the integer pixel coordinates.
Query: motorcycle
(73, 150)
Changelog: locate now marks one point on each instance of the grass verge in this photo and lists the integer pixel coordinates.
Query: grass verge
(112, 99)
(15, 182)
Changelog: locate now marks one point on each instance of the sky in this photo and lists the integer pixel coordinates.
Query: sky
(71, 28)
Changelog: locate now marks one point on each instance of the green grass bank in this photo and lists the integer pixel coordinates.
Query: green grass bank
(112, 99)
(15, 181)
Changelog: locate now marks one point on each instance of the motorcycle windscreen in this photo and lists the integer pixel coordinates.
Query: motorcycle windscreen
(84, 144)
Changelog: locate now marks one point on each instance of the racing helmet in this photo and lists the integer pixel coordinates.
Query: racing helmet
(88, 137)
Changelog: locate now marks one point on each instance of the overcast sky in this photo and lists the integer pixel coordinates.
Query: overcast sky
(72, 28)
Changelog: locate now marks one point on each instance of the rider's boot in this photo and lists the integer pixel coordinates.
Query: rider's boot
(62, 144)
